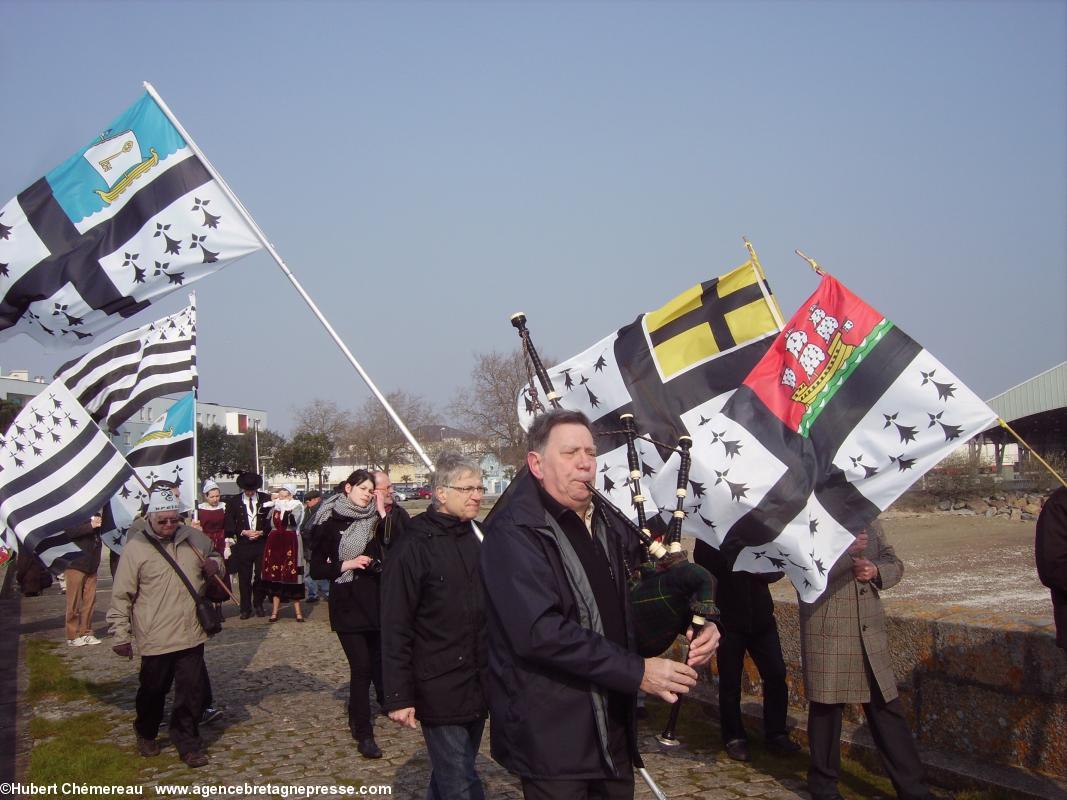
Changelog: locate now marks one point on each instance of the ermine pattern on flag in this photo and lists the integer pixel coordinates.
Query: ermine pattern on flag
(114, 381)
(57, 468)
(126, 220)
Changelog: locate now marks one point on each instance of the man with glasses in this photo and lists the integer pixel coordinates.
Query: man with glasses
(394, 518)
(433, 630)
(150, 604)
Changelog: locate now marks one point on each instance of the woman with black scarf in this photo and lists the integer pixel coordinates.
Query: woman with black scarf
(348, 553)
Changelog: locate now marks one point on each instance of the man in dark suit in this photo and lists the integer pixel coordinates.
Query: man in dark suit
(247, 524)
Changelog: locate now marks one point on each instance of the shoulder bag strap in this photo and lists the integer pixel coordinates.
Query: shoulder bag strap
(185, 579)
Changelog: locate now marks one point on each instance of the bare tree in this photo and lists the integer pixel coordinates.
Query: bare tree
(375, 439)
(323, 417)
(488, 407)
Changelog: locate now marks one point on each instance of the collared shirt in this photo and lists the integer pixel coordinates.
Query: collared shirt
(251, 505)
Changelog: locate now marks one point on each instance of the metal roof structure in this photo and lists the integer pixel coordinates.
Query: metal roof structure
(1037, 410)
(1044, 392)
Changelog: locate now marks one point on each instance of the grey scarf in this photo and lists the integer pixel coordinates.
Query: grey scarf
(356, 537)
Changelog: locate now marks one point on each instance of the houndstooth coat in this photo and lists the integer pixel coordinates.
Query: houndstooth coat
(844, 624)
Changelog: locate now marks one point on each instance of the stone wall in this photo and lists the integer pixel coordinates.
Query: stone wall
(991, 688)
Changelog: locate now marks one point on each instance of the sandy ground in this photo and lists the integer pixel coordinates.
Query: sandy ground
(985, 564)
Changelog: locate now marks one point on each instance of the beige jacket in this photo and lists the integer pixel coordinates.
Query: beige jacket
(149, 602)
(845, 625)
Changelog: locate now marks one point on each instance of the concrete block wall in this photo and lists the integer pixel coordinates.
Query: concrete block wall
(990, 687)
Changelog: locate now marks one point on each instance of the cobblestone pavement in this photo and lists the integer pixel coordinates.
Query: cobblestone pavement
(284, 687)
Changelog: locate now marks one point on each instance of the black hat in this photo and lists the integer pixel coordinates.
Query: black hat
(248, 481)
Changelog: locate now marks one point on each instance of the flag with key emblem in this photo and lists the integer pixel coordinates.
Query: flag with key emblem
(129, 218)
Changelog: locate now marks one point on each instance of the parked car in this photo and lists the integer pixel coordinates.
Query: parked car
(399, 495)
(423, 493)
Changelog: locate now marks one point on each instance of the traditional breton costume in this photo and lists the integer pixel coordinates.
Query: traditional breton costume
(213, 519)
(283, 557)
(213, 523)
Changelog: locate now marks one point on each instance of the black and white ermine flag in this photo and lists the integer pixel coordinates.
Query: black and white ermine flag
(129, 218)
(57, 469)
(118, 378)
(672, 368)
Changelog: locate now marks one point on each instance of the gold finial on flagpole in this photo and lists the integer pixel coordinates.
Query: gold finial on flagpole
(1033, 452)
(811, 262)
(752, 254)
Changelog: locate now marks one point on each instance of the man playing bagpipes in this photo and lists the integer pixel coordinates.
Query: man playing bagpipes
(564, 670)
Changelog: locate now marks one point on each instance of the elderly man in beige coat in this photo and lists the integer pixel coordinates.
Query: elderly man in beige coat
(151, 605)
(845, 650)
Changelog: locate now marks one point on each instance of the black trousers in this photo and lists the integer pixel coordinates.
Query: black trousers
(620, 789)
(364, 654)
(891, 734)
(186, 671)
(766, 650)
(246, 559)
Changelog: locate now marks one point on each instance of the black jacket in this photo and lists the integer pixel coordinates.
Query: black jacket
(237, 520)
(546, 671)
(743, 598)
(354, 605)
(87, 538)
(434, 654)
(1050, 550)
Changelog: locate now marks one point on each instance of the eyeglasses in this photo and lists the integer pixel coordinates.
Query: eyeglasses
(168, 521)
(468, 490)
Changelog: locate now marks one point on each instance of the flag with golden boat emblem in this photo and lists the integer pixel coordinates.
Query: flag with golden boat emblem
(841, 415)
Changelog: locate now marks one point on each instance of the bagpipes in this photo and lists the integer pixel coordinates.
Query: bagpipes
(667, 591)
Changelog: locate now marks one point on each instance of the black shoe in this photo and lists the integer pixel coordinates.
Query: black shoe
(312, 600)
(737, 749)
(781, 744)
(368, 748)
(246, 614)
(260, 612)
(147, 747)
(210, 715)
(194, 758)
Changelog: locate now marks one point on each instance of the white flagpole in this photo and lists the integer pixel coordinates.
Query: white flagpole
(288, 273)
(196, 400)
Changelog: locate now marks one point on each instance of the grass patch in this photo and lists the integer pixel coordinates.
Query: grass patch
(50, 676)
(80, 748)
(76, 749)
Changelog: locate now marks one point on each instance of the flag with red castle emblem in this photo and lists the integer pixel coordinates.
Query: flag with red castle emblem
(842, 414)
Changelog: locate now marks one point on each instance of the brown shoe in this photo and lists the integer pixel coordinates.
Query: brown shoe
(147, 747)
(737, 749)
(195, 758)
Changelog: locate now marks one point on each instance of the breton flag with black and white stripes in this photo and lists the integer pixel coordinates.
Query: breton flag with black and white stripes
(57, 469)
(671, 368)
(163, 453)
(118, 378)
(129, 218)
(843, 413)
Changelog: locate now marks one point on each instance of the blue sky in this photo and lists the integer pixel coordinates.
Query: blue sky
(427, 169)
